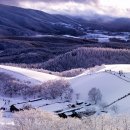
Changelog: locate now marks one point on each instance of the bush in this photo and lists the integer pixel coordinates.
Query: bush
(54, 89)
(39, 120)
(12, 87)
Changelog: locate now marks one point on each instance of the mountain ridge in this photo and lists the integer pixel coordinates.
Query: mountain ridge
(17, 21)
(14, 19)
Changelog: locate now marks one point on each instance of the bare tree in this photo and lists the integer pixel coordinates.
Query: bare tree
(40, 120)
(85, 58)
(115, 109)
(95, 96)
(53, 89)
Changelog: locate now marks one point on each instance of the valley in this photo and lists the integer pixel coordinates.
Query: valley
(63, 71)
(81, 84)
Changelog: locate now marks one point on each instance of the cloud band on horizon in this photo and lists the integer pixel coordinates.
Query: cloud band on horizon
(76, 7)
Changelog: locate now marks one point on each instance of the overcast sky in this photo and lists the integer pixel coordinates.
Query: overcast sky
(119, 8)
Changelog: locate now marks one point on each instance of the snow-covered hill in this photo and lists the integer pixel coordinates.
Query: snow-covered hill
(25, 75)
(111, 84)
(106, 78)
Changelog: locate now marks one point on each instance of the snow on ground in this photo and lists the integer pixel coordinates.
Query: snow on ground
(69, 36)
(117, 67)
(19, 76)
(6, 102)
(27, 75)
(103, 40)
(36, 104)
(124, 105)
(111, 86)
(105, 37)
(6, 121)
(55, 107)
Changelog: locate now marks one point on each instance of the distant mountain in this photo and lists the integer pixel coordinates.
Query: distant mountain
(16, 21)
(106, 23)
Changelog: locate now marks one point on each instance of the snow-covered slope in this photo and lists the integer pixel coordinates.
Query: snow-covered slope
(26, 75)
(111, 86)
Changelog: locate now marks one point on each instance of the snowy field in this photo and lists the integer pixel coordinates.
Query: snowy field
(111, 85)
(105, 37)
(26, 75)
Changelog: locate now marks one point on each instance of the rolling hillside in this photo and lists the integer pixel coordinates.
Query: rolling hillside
(111, 84)
(25, 75)
(87, 57)
(41, 49)
(16, 21)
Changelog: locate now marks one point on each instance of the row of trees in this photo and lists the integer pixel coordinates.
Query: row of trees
(67, 73)
(40, 120)
(49, 90)
(87, 57)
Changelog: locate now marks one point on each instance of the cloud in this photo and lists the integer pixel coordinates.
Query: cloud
(16, 2)
(76, 7)
(77, 1)
(71, 7)
(9, 2)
